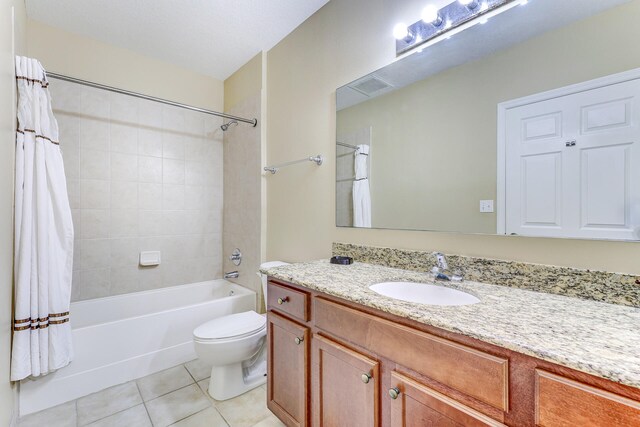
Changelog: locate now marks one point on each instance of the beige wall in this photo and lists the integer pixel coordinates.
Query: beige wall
(244, 83)
(12, 35)
(343, 41)
(421, 155)
(78, 56)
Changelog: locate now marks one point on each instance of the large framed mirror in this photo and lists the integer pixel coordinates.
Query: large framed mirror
(528, 124)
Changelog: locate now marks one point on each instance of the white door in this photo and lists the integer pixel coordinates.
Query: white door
(573, 165)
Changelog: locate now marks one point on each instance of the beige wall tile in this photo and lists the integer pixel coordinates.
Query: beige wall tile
(94, 223)
(149, 142)
(94, 194)
(94, 164)
(95, 253)
(173, 171)
(172, 145)
(149, 196)
(127, 189)
(94, 133)
(150, 169)
(124, 195)
(124, 138)
(124, 167)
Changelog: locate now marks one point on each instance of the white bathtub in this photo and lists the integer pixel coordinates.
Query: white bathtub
(121, 338)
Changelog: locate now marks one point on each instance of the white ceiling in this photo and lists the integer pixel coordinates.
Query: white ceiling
(214, 37)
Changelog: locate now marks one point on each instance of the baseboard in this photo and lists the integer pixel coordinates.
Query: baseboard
(53, 390)
(15, 413)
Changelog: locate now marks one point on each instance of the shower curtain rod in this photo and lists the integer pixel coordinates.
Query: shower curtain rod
(252, 122)
(353, 147)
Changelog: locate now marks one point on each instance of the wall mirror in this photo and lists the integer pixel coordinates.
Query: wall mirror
(528, 124)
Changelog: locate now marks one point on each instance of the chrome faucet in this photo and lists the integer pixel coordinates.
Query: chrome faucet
(441, 270)
(231, 275)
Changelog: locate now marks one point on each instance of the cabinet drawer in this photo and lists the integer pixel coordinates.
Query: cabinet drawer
(472, 372)
(564, 402)
(415, 404)
(288, 300)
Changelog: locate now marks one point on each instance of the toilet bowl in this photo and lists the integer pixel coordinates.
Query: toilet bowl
(235, 347)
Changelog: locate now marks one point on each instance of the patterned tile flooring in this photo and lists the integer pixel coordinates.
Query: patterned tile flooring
(174, 397)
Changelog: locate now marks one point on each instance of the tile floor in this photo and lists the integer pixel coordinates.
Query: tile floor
(174, 397)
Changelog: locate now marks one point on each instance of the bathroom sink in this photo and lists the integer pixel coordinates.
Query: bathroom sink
(423, 293)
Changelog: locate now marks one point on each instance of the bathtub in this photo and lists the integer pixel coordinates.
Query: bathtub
(121, 338)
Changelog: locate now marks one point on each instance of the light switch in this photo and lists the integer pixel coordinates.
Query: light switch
(486, 206)
(149, 258)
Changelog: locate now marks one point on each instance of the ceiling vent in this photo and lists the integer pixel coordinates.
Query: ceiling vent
(370, 85)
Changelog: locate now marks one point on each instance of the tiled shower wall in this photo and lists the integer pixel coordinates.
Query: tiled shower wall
(242, 195)
(142, 176)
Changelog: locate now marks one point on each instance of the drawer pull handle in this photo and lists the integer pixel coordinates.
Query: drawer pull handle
(299, 340)
(394, 392)
(283, 300)
(366, 378)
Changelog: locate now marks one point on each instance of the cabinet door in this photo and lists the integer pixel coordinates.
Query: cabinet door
(414, 404)
(347, 386)
(566, 403)
(287, 372)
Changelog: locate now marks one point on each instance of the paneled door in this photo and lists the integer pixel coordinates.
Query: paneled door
(346, 389)
(415, 405)
(573, 165)
(287, 370)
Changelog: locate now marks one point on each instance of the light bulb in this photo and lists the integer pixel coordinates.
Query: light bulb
(471, 4)
(523, 2)
(400, 31)
(430, 15)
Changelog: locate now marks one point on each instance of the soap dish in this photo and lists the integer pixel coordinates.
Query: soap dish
(342, 260)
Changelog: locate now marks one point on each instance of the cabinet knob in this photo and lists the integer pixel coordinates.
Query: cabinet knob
(394, 392)
(283, 300)
(365, 378)
(299, 340)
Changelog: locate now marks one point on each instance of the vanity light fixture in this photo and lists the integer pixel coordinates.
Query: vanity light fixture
(401, 32)
(452, 18)
(471, 4)
(431, 16)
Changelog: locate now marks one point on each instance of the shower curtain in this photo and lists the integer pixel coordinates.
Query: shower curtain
(361, 194)
(43, 233)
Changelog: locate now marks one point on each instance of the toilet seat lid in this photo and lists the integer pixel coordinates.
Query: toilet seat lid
(231, 326)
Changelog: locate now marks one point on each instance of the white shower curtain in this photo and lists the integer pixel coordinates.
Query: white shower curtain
(43, 233)
(361, 194)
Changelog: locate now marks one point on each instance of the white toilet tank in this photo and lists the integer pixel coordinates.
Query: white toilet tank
(263, 277)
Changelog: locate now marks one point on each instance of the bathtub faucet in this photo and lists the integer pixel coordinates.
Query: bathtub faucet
(231, 275)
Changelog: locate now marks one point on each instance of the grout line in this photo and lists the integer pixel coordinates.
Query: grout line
(117, 412)
(76, 409)
(144, 403)
(196, 413)
(100, 419)
(162, 395)
(184, 365)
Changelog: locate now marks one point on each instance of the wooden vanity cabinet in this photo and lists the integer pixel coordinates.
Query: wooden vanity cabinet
(287, 370)
(347, 386)
(414, 404)
(335, 363)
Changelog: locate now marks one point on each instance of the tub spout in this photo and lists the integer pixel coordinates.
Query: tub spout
(231, 275)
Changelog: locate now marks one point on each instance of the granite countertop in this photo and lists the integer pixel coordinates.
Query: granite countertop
(594, 337)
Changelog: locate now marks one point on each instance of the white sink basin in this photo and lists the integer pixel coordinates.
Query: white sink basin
(423, 293)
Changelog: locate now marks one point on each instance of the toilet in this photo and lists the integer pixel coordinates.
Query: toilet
(235, 346)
